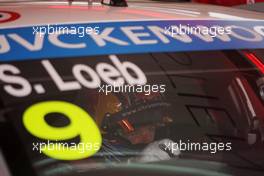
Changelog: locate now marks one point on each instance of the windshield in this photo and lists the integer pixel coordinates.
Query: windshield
(161, 108)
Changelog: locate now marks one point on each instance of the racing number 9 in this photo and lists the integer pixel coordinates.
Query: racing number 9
(81, 124)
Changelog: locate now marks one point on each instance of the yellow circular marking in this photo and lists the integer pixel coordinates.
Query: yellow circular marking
(81, 124)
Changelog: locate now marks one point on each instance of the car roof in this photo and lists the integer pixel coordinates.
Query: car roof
(61, 12)
(141, 27)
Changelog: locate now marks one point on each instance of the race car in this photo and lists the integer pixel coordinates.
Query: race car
(130, 88)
